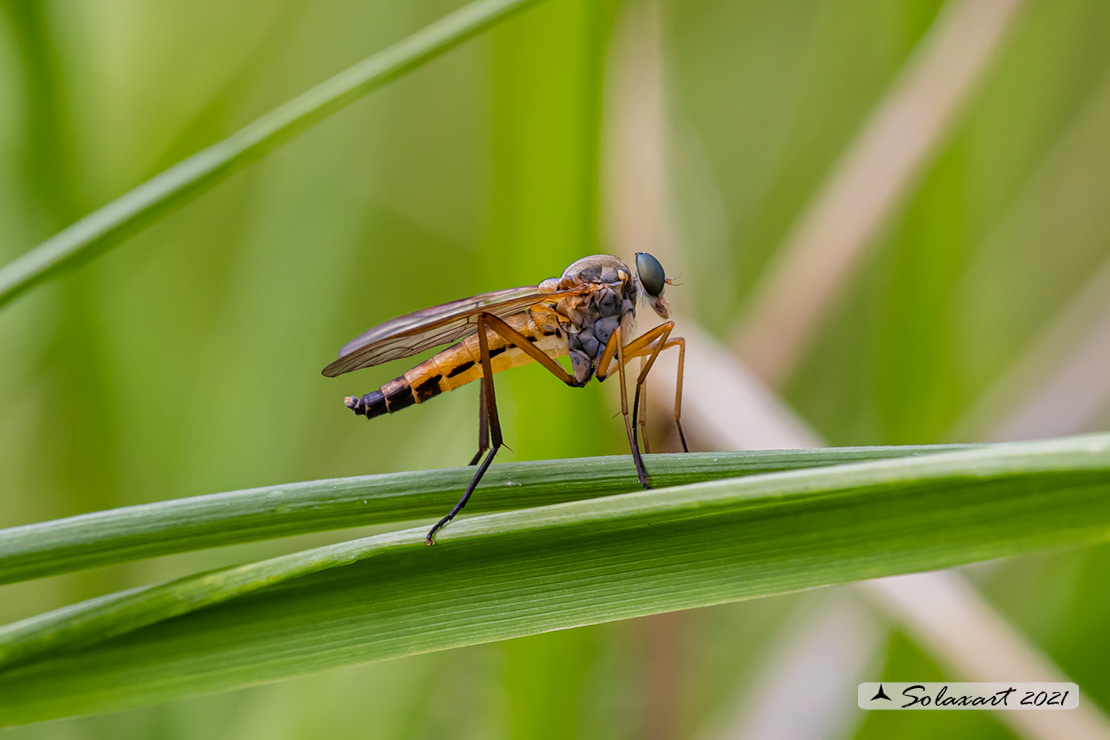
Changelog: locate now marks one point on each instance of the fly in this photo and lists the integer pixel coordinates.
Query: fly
(587, 313)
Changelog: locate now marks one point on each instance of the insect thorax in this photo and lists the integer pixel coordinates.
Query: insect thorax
(591, 318)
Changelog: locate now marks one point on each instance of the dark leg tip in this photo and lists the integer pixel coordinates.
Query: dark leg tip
(431, 538)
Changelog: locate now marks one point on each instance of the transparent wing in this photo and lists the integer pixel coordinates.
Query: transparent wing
(429, 327)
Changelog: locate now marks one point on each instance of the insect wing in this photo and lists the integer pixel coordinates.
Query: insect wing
(417, 331)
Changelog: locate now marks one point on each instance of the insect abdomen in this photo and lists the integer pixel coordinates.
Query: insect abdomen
(391, 397)
(416, 386)
(458, 365)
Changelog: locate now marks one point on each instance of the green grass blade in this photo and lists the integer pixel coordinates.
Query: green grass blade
(168, 527)
(109, 225)
(503, 575)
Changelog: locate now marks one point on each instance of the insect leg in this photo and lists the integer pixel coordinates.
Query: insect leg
(518, 340)
(660, 345)
(483, 425)
(643, 415)
(633, 443)
(489, 411)
(638, 347)
(650, 344)
(615, 347)
(486, 323)
(679, 342)
(655, 339)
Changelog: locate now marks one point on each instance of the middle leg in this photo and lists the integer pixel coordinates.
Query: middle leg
(649, 345)
(617, 347)
(679, 342)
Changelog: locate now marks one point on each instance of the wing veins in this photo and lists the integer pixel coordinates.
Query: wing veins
(430, 327)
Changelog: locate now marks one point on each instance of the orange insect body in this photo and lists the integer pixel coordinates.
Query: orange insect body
(460, 363)
(588, 313)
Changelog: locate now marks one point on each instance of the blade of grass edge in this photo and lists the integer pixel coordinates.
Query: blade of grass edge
(168, 527)
(509, 574)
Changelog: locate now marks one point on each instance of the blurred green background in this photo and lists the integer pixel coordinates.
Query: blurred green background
(187, 361)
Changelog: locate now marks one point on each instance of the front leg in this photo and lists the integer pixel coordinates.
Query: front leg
(616, 346)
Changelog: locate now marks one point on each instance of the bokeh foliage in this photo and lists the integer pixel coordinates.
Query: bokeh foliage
(187, 361)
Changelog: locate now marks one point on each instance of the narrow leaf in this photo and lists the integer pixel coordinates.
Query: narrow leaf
(503, 575)
(109, 225)
(168, 527)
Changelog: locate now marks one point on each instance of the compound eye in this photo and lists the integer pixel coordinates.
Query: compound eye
(650, 273)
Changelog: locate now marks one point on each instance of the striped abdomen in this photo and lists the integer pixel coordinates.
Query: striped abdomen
(460, 364)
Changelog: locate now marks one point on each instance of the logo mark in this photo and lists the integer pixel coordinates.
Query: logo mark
(881, 694)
